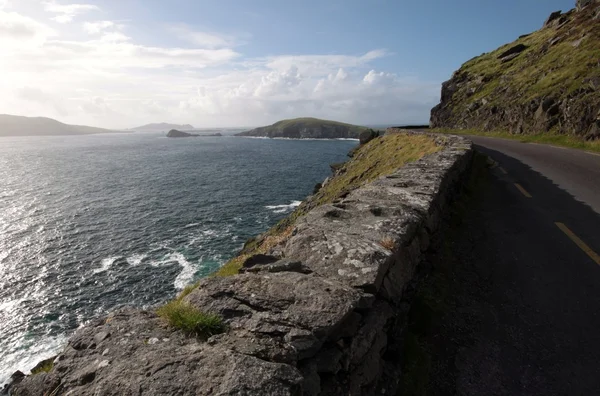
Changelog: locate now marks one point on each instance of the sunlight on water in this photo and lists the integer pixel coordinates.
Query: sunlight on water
(90, 223)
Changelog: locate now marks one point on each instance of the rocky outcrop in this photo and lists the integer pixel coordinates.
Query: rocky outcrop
(174, 133)
(584, 3)
(545, 81)
(307, 128)
(320, 313)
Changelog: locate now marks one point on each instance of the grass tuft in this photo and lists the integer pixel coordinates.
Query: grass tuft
(388, 243)
(46, 367)
(190, 320)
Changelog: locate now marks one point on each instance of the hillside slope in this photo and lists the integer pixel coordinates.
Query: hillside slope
(307, 128)
(11, 125)
(162, 127)
(547, 81)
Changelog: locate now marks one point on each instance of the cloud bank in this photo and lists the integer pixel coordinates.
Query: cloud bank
(102, 76)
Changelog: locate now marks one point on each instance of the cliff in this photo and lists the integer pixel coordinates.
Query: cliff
(11, 125)
(307, 128)
(320, 311)
(546, 81)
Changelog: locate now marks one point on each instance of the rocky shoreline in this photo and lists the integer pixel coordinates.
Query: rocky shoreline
(324, 318)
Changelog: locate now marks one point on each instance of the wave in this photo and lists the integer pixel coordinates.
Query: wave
(283, 208)
(187, 272)
(136, 259)
(27, 354)
(106, 263)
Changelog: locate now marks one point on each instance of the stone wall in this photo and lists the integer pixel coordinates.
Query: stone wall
(326, 318)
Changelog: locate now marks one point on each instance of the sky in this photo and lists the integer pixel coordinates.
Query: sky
(226, 63)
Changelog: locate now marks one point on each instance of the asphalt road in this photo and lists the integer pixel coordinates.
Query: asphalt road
(523, 307)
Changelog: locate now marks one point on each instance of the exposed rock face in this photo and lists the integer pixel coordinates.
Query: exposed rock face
(307, 128)
(174, 133)
(584, 3)
(545, 81)
(326, 319)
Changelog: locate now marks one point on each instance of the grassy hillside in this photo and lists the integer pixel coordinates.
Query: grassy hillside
(307, 128)
(546, 81)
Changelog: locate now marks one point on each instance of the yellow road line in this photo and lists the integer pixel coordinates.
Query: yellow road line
(582, 245)
(523, 191)
(503, 170)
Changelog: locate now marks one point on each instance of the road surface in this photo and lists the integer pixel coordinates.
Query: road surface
(523, 314)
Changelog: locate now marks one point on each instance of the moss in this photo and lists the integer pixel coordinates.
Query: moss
(552, 138)
(380, 157)
(46, 367)
(191, 320)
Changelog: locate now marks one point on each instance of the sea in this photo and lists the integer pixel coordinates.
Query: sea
(92, 223)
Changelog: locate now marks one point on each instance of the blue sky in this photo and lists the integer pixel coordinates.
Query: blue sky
(243, 63)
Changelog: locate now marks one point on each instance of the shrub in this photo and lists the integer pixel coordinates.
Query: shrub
(190, 320)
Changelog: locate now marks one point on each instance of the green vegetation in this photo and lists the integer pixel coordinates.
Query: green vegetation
(190, 320)
(293, 128)
(549, 83)
(544, 68)
(45, 367)
(541, 138)
(310, 121)
(380, 157)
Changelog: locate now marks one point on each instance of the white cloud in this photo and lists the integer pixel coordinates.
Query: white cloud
(98, 26)
(66, 12)
(15, 27)
(110, 79)
(202, 39)
(36, 95)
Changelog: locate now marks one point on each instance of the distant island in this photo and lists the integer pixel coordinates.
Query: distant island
(162, 127)
(307, 128)
(11, 125)
(174, 133)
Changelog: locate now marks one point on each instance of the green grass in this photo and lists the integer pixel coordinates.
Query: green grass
(308, 122)
(191, 320)
(554, 139)
(380, 157)
(44, 368)
(541, 70)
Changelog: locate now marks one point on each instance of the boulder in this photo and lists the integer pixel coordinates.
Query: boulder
(517, 49)
(554, 16)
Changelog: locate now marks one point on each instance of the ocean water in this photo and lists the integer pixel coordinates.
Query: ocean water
(92, 223)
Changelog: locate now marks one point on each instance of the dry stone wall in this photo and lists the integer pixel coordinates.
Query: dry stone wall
(324, 319)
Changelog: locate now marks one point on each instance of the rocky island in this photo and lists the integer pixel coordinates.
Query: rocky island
(307, 128)
(544, 82)
(174, 133)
